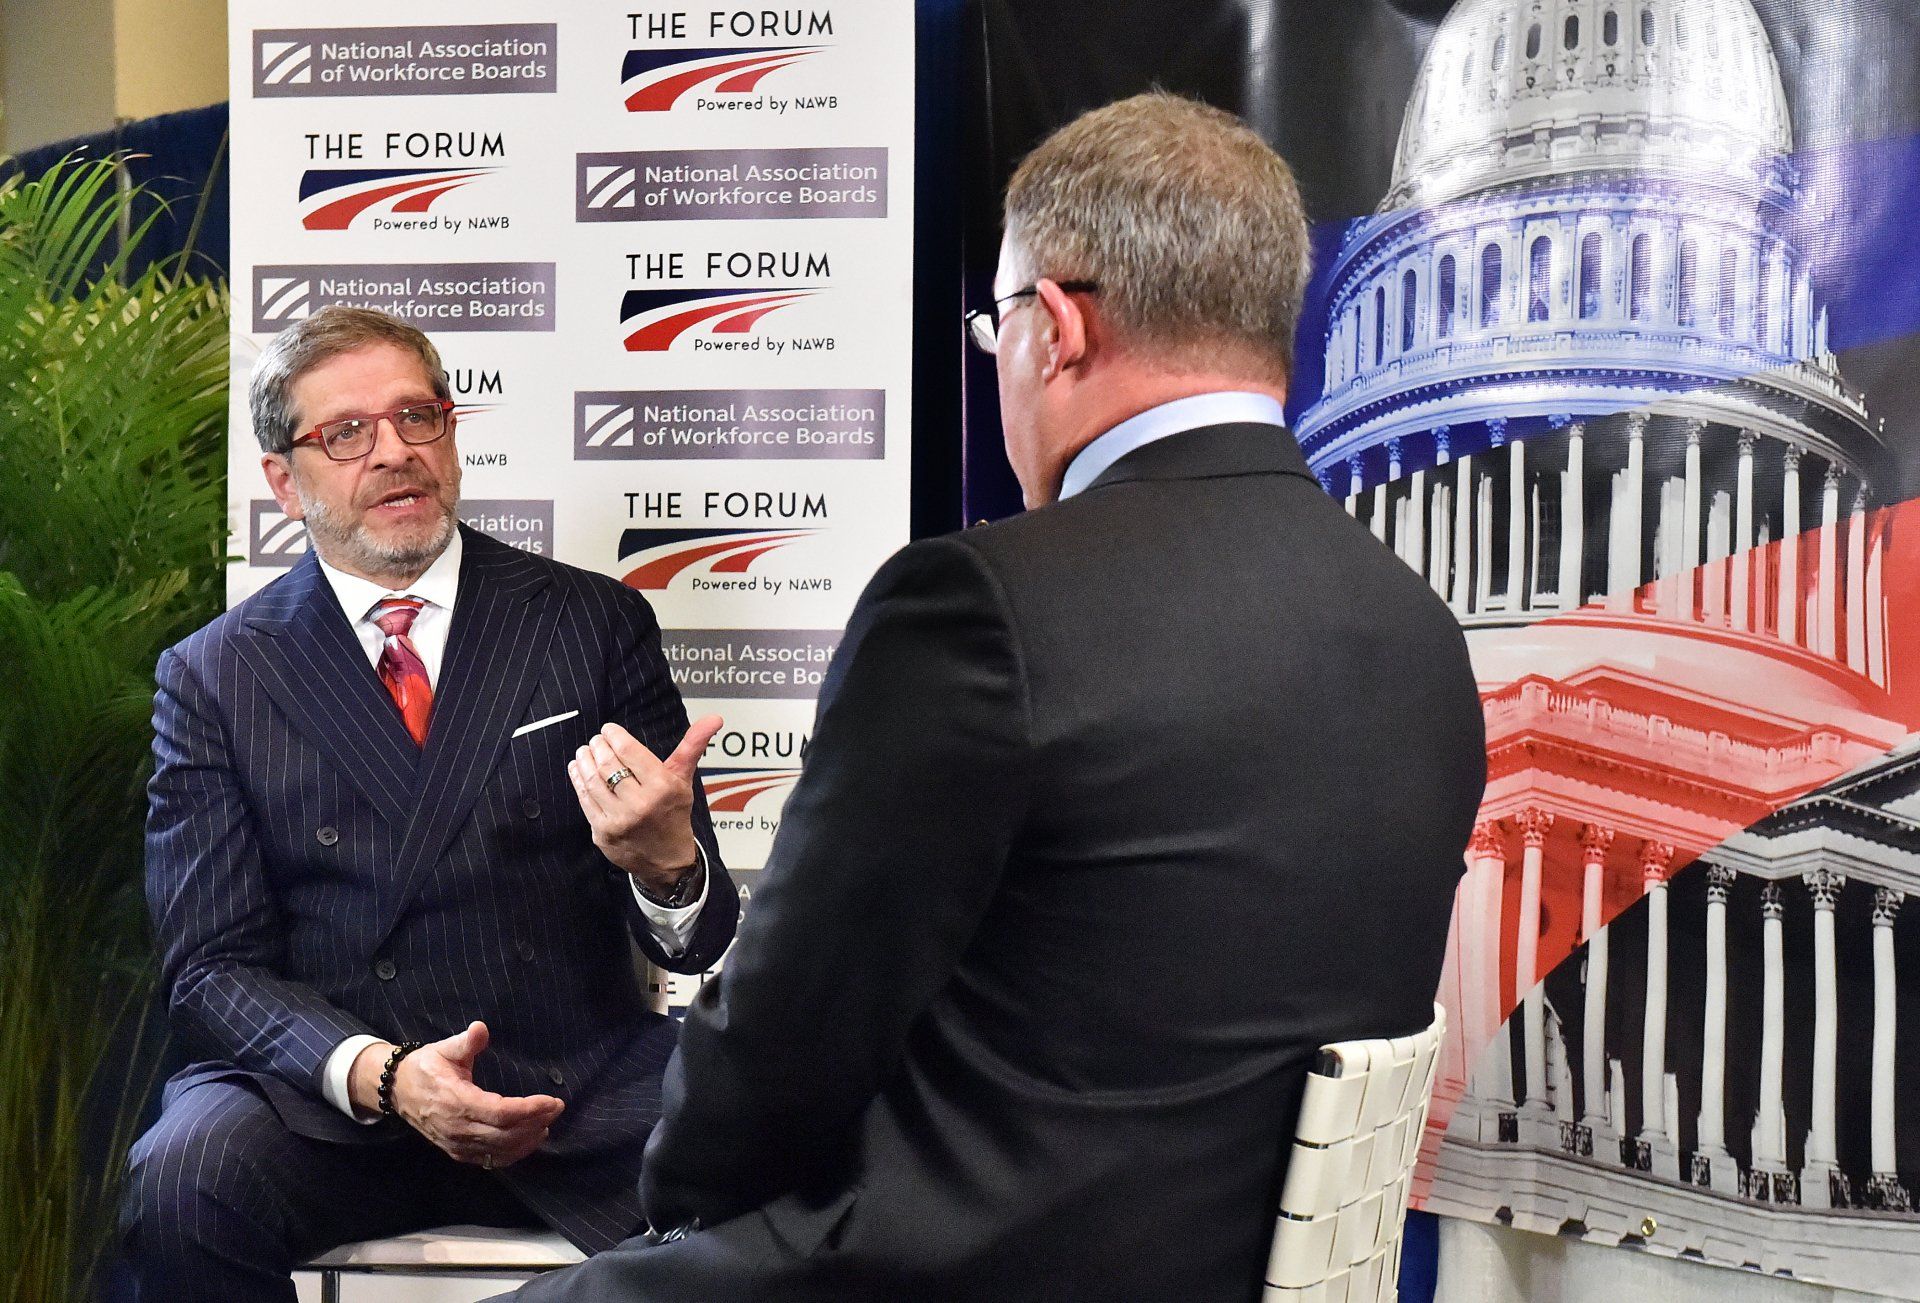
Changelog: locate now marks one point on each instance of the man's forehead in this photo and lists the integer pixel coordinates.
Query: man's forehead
(356, 376)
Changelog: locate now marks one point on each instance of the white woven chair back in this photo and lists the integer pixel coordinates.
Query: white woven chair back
(1344, 1204)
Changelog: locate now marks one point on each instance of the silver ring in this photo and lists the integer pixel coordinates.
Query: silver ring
(486, 1162)
(615, 778)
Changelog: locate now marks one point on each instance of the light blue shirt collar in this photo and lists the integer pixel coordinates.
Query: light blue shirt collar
(1229, 407)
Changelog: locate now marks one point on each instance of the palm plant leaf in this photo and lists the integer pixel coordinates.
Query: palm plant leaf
(112, 520)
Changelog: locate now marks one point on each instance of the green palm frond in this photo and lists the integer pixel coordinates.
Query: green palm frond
(113, 391)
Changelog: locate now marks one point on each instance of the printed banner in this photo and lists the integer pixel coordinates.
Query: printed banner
(1614, 338)
(667, 257)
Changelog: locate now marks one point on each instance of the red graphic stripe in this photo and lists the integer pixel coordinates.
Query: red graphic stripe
(337, 215)
(741, 324)
(739, 798)
(420, 202)
(713, 785)
(659, 335)
(661, 94)
(739, 561)
(750, 79)
(660, 572)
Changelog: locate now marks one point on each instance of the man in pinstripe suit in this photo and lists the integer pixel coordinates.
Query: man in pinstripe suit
(394, 867)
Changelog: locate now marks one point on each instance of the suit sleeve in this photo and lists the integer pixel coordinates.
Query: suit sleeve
(647, 705)
(221, 939)
(892, 846)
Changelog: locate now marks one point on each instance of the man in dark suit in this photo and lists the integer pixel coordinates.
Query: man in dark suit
(394, 865)
(1113, 812)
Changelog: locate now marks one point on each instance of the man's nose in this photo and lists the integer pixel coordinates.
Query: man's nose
(389, 449)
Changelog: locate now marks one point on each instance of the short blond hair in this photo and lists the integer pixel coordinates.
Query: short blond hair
(1188, 221)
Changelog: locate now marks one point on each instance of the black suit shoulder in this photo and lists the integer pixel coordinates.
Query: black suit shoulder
(597, 590)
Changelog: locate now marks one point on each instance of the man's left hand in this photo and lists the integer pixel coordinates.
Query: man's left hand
(643, 822)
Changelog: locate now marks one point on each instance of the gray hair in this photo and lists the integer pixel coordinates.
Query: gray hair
(1190, 224)
(327, 333)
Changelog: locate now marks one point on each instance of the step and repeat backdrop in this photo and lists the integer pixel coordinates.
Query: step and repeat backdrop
(666, 254)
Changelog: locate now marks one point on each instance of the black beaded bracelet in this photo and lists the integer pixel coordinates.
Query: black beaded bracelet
(386, 1076)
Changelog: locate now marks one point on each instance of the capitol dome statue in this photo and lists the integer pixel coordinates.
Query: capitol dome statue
(1577, 375)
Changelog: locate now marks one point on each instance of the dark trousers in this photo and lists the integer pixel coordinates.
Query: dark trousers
(222, 1200)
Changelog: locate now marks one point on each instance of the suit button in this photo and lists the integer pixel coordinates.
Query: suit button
(524, 949)
(384, 969)
(327, 836)
(530, 808)
(556, 1076)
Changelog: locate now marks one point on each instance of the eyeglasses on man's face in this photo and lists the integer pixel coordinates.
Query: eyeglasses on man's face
(349, 438)
(983, 324)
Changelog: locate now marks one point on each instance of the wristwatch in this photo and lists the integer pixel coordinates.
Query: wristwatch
(686, 888)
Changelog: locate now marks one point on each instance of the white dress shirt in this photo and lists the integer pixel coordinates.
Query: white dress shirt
(437, 591)
(1227, 407)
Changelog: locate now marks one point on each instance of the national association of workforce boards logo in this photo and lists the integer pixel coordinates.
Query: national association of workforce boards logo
(653, 319)
(442, 59)
(655, 557)
(332, 198)
(653, 81)
(732, 790)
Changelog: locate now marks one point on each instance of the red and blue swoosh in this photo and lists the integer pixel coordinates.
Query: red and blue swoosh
(669, 551)
(726, 312)
(663, 76)
(349, 192)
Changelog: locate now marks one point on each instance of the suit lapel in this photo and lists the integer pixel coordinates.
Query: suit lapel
(496, 649)
(309, 661)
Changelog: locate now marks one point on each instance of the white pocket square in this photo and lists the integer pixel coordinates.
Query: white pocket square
(548, 722)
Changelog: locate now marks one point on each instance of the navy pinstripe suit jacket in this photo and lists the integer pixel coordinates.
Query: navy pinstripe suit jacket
(312, 874)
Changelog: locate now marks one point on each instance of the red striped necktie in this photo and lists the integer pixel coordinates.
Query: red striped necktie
(401, 668)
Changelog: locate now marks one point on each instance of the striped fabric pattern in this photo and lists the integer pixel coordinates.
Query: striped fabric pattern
(313, 873)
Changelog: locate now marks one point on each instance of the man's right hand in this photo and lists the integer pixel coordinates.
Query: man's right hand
(433, 1091)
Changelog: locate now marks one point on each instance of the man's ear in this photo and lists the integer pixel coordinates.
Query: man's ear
(279, 473)
(1067, 343)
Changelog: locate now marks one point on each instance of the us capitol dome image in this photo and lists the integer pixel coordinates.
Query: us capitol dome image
(1577, 375)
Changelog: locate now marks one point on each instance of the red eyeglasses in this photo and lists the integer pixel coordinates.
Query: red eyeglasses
(352, 437)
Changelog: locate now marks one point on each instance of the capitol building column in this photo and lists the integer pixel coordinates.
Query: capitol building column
(1789, 586)
(1826, 608)
(1624, 564)
(1884, 1189)
(1690, 523)
(1516, 525)
(1463, 554)
(1769, 1123)
(1712, 1164)
(1573, 519)
(1595, 841)
(1483, 1025)
(1440, 523)
(1414, 546)
(1655, 857)
(1818, 1175)
(1534, 825)
(1876, 614)
(1857, 583)
(1742, 586)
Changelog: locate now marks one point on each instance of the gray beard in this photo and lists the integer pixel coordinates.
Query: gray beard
(348, 547)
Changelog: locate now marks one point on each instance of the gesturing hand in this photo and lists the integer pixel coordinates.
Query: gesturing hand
(433, 1091)
(643, 820)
